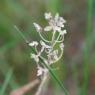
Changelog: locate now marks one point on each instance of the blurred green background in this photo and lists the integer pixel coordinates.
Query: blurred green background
(77, 66)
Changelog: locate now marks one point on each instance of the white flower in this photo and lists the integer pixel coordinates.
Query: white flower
(34, 43)
(53, 56)
(59, 21)
(48, 28)
(56, 17)
(55, 53)
(48, 51)
(48, 16)
(35, 57)
(38, 27)
(44, 45)
(63, 32)
(55, 24)
(41, 71)
(61, 45)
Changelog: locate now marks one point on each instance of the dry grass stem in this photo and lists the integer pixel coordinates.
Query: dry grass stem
(26, 88)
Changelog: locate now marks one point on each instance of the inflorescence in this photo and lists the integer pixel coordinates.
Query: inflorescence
(51, 50)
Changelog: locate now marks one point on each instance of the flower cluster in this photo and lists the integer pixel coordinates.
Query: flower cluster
(52, 54)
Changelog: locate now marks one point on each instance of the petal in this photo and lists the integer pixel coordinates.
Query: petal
(39, 71)
(48, 28)
(34, 43)
(44, 44)
(33, 55)
(38, 27)
(63, 32)
(56, 17)
(60, 24)
(48, 16)
(37, 59)
(57, 28)
(62, 20)
(61, 45)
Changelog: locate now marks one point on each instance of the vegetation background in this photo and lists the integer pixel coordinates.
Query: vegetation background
(77, 66)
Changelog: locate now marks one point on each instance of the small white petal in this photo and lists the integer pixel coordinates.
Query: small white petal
(61, 45)
(34, 43)
(38, 27)
(62, 20)
(35, 57)
(55, 55)
(39, 71)
(57, 28)
(44, 45)
(56, 17)
(62, 25)
(48, 28)
(63, 32)
(48, 16)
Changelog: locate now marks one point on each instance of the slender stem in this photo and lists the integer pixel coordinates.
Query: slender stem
(43, 38)
(42, 49)
(52, 41)
(62, 39)
(36, 50)
(23, 90)
(56, 40)
(53, 37)
(40, 88)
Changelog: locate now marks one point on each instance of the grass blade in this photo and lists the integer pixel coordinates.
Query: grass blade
(6, 82)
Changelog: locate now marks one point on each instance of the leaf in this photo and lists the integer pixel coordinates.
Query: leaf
(6, 82)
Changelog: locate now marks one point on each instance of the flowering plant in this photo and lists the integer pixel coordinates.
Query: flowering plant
(48, 47)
